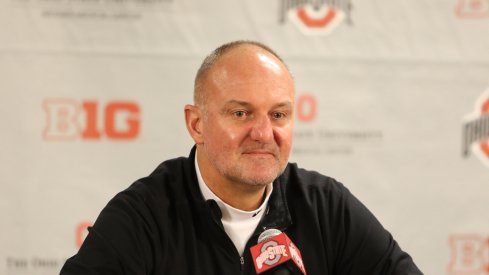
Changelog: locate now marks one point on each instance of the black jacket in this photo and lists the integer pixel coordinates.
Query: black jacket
(161, 224)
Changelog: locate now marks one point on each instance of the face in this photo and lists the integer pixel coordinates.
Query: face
(248, 119)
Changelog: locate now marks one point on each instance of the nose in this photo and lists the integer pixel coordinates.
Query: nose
(262, 130)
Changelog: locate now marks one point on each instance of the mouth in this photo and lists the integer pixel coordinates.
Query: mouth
(259, 153)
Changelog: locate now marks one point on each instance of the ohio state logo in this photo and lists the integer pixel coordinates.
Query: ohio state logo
(271, 253)
(296, 257)
(316, 17)
(472, 9)
(476, 130)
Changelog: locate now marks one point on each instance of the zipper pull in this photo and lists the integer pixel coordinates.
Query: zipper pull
(241, 260)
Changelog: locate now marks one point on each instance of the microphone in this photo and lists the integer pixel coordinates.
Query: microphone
(276, 253)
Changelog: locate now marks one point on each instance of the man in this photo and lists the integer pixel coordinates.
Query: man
(201, 215)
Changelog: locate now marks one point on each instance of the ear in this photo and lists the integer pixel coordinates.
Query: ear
(193, 121)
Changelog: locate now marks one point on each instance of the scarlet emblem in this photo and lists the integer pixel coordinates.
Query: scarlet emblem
(476, 9)
(271, 253)
(316, 17)
(274, 251)
(476, 130)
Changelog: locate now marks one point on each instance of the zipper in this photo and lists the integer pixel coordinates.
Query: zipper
(241, 260)
(219, 225)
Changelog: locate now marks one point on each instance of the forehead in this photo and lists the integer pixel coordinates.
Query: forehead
(249, 73)
(248, 56)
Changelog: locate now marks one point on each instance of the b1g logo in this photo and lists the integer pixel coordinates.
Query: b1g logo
(81, 232)
(469, 255)
(476, 130)
(68, 119)
(472, 9)
(316, 17)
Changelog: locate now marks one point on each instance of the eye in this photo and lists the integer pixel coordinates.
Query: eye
(278, 115)
(239, 114)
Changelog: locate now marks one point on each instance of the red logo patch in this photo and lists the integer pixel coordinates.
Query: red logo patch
(476, 130)
(472, 9)
(316, 17)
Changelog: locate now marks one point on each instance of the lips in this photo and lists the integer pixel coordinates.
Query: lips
(259, 152)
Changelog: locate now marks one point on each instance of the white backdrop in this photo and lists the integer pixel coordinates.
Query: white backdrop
(92, 95)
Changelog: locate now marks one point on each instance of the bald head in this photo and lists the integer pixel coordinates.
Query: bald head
(212, 59)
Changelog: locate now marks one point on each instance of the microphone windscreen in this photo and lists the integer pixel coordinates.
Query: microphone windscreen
(268, 234)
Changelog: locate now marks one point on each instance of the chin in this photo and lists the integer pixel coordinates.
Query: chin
(261, 180)
(256, 183)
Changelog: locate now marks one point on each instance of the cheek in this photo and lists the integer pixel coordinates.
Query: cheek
(283, 137)
(225, 136)
(235, 137)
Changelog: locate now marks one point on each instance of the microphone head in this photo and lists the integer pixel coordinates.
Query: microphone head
(276, 253)
(268, 234)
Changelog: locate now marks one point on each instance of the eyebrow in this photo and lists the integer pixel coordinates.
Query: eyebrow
(286, 104)
(237, 102)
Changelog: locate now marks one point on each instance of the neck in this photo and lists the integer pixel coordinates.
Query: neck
(246, 199)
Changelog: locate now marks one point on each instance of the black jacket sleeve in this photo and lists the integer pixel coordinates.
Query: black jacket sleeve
(336, 233)
(119, 241)
(365, 247)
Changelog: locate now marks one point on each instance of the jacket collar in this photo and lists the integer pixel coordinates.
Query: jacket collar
(277, 213)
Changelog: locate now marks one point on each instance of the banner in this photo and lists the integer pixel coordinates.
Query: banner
(392, 100)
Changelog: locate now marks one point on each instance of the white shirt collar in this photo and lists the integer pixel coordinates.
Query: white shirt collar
(238, 224)
(230, 213)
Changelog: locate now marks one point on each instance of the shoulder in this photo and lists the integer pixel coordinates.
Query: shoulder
(166, 182)
(310, 182)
